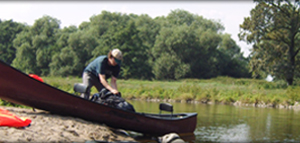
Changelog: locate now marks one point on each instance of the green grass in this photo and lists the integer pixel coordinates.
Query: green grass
(217, 90)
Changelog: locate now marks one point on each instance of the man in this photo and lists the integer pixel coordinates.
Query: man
(100, 69)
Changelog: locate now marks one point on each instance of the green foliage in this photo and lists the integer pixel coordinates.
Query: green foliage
(180, 45)
(65, 63)
(35, 46)
(231, 61)
(120, 31)
(172, 67)
(184, 47)
(65, 60)
(273, 28)
(292, 93)
(8, 32)
(6, 103)
(25, 58)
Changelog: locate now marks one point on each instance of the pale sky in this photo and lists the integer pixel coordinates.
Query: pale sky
(230, 13)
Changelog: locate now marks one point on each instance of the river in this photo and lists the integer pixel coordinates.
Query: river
(227, 123)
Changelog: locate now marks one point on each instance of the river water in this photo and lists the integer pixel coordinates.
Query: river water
(226, 123)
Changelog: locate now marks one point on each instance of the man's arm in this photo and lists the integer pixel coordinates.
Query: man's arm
(113, 82)
(112, 88)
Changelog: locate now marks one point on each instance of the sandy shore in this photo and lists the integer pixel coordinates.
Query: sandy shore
(47, 127)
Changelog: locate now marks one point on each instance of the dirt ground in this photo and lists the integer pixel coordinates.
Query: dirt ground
(47, 127)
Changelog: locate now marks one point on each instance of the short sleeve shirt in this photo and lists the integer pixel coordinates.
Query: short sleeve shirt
(100, 66)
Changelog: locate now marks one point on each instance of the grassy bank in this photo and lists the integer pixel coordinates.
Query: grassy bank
(217, 90)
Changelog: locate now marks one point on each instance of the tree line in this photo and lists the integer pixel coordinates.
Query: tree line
(180, 45)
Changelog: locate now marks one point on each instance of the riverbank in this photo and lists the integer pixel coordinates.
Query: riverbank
(296, 106)
(220, 90)
(46, 127)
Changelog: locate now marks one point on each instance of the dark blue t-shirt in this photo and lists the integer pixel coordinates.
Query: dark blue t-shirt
(100, 66)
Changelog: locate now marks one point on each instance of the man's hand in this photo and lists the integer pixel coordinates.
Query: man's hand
(114, 91)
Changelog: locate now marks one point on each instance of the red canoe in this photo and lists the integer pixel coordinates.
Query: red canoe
(17, 87)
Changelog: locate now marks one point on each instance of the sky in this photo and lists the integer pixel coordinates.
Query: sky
(229, 13)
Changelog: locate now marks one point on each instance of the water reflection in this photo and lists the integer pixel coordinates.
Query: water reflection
(225, 123)
(238, 133)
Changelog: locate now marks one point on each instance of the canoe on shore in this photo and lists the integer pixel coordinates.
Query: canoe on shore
(17, 87)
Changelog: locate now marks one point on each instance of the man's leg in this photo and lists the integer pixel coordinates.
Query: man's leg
(86, 79)
(90, 80)
(99, 86)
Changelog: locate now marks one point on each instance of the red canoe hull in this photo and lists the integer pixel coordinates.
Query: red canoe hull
(17, 87)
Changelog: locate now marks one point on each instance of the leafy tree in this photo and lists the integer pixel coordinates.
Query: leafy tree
(273, 29)
(148, 29)
(190, 41)
(82, 43)
(116, 30)
(229, 46)
(8, 32)
(172, 42)
(104, 26)
(36, 45)
(62, 37)
(180, 17)
(169, 66)
(135, 53)
(25, 54)
(25, 59)
(181, 45)
(231, 61)
(76, 50)
(65, 62)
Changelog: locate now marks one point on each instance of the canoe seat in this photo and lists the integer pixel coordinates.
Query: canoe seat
(166, 107)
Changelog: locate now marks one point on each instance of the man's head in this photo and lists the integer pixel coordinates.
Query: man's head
(115, 56)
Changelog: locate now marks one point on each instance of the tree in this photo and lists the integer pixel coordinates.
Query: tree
(148, 29)
(104, 28)
(169, 66)
(25, 54)
(36, 45)
(170, 51)
(8, 32)
(231, 61)
(116, 30)
(65, 61)
(189, 41)
(82, 43)
(273, 29)
(130, 43)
